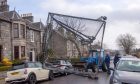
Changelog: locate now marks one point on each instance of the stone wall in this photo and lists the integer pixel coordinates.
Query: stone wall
(59, 45)
(36, 45)
(5, 39)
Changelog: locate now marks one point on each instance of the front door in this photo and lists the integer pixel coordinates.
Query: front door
(0, 53)
(32, 56)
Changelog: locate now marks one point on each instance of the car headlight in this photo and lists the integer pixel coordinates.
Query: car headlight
(115, 81)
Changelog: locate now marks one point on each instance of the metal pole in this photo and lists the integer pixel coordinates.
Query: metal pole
(103, 35)
(77, 17)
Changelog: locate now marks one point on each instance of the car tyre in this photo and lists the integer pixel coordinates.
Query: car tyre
(32, 79)
(51, 75)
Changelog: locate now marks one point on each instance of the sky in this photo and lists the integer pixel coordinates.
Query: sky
(123, 15)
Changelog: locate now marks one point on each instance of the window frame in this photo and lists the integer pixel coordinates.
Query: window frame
(23, 51)
(22, 31)
(32, 35)
(17, 30)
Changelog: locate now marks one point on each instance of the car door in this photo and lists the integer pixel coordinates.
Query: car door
(43, 73)
(36, 69)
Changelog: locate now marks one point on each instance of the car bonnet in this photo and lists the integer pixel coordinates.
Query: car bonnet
(127, 77)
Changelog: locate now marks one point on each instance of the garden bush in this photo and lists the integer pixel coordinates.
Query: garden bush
(17, 61)
(6, 62)
(5, 68)
(1, 64)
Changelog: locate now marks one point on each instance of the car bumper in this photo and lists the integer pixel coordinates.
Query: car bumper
(16, 80)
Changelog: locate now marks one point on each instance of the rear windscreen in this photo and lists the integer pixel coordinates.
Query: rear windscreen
(19, 66)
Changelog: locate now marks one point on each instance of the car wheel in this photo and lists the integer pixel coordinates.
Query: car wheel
(51, 75)
(32, 79)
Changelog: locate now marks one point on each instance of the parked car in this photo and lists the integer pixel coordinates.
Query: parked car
(29, 72)
(127, 71)
(62, 66)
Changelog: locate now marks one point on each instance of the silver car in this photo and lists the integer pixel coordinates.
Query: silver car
(127, 71)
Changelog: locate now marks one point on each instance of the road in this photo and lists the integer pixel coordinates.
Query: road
(74, 79)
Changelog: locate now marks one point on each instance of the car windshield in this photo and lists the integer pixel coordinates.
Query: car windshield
(129, 65)
(18, 66)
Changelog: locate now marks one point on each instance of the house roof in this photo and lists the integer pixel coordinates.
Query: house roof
(10, 15)
(39, 25)
(14, 16)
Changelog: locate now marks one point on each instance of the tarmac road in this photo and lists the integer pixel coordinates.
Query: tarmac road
(75, 79)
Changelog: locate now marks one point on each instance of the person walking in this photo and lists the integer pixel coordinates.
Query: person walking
(116, 59)
(107, 62)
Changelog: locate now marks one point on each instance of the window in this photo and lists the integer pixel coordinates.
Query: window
(16, 30)
(18, 66)
(22, 51)
(38, 65)
(16, 52)
(32, 35)
(129, 65)
(0, 29)
(31, 65)
(22, 30)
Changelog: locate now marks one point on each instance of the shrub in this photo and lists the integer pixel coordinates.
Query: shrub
(17, 61)
(1, 64)
(6, 62)
(5, 68)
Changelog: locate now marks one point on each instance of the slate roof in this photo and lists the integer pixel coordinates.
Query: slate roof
(39, 25)
(14, 16)
(10, 15)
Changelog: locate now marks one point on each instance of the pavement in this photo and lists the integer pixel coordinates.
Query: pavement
(2, 75)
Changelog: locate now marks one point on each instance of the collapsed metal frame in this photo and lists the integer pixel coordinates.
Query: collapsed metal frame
(80, 35)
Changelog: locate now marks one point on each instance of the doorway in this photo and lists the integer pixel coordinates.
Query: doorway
(1, 53)
(32, 56)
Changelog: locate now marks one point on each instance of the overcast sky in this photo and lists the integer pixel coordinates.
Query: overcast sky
(123, 15)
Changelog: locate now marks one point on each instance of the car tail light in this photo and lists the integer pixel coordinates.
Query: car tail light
(25, 71)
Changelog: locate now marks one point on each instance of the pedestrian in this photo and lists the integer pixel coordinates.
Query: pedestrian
(107, 62)
(116, 59)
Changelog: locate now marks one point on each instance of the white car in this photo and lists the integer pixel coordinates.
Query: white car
(62, 66)
(29, 72)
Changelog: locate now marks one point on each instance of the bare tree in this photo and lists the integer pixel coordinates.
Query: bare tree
(97, 45)
(77, 25)
(127, 42)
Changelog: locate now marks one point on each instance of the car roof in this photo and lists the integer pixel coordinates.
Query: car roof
(130, 58)
(24, 62)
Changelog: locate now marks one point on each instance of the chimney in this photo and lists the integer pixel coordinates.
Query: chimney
(4, 6)
(28, 16)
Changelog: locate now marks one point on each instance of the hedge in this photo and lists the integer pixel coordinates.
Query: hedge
(1, 64)
(17, 61)
(5, 68)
